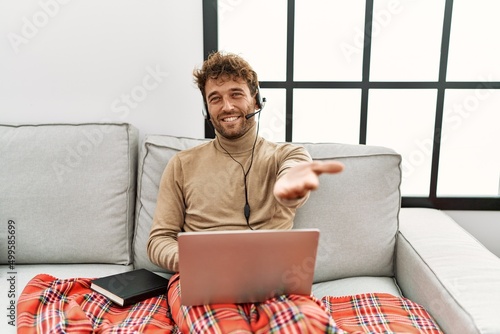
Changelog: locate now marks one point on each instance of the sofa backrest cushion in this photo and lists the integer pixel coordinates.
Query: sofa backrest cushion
(68, 192)
(356, 211)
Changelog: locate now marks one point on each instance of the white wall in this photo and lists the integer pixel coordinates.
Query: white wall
(113, 60)
(119, 60)
(484, 225)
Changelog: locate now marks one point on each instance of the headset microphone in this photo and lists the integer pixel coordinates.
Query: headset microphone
(252, 114)
(261, 103)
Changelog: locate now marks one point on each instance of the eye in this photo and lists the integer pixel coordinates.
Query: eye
(214, 99)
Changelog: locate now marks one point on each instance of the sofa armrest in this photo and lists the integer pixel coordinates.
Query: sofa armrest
(443, 268)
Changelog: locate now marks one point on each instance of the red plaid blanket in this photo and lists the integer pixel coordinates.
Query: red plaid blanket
(50, 305)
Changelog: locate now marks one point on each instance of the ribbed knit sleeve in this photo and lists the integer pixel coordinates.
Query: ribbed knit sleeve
(168, 219)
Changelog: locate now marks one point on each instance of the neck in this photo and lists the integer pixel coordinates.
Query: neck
(239, 145)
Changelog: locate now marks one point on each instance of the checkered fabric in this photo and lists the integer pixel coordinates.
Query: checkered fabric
(284, 314)
(51, 305)
(379, 313)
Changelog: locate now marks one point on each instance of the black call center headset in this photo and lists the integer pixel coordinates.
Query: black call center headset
(261, 102)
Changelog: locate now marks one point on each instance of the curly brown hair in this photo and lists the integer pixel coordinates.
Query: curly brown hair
(220, 64)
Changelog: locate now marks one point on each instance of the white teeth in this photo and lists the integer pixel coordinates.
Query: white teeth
(230, 119)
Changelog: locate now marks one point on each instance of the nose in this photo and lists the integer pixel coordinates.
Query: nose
(226, 104)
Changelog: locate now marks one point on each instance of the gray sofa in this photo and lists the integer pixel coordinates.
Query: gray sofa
(77, 200)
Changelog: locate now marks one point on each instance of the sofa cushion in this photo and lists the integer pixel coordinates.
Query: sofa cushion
(356, 285)
(356, 210)
(68, 191)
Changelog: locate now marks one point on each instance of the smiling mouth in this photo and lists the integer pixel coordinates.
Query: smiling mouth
(230, 119)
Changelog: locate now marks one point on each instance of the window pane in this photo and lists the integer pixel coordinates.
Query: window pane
(404, 121)
(406, 40)
(256, 30)
(469, 162)
(272, 118)
(329, 40)
(326, 115)
(474, 43)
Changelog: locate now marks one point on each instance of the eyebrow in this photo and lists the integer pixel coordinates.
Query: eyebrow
(235, 89)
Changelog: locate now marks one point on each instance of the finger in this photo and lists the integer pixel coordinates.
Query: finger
(329, 166)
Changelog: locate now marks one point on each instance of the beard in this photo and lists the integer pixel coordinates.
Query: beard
(234, 130)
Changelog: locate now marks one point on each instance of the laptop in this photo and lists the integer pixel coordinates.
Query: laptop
(245, 266)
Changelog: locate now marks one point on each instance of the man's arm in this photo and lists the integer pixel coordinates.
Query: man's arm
(300, 179)
(168, 219)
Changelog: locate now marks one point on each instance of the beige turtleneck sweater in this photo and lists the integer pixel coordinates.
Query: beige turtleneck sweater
(202, 188)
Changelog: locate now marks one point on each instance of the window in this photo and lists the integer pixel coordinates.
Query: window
(421, 77)
(407, 128)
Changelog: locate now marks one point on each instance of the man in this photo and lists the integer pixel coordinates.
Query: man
(238, 180)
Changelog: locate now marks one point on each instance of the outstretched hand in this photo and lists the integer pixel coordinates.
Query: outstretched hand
(304, 177)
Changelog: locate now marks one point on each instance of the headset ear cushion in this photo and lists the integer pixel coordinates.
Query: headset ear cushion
(258, 99)
(261, 101)
(204, 111)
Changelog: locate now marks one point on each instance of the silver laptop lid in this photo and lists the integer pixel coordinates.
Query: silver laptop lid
(245, 266)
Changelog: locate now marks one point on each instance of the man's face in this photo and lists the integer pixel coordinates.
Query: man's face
(229, 101)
